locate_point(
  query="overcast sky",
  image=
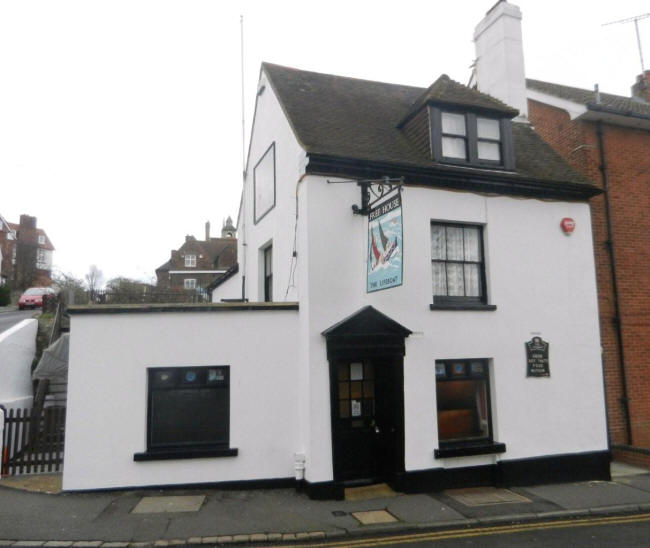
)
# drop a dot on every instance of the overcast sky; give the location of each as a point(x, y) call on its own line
point(120, 120)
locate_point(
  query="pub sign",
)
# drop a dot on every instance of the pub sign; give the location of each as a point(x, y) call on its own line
point(537, 358)
point(385, 244)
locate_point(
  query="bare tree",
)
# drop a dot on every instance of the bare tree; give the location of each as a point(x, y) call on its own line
point(94, 278)
point(71, 288)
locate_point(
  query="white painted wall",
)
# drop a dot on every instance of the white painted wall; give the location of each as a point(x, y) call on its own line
point(230, 289)
point(107, 394)
point(279, 225)
point(541, 281)
point(17, 350)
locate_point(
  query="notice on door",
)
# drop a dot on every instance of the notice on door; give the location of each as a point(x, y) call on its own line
point(356, 408)
point(537, 363)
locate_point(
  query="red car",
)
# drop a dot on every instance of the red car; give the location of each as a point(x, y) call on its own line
point(33, 297)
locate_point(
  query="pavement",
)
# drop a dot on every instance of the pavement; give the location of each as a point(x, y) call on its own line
point(34, 513)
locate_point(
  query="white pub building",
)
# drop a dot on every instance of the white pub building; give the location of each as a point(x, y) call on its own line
point(415, 303)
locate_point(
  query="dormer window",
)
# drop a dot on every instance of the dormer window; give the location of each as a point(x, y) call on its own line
point(488, 139)
point(468, 138)
point(454, 136)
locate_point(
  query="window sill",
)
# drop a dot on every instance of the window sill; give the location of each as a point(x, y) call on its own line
point(185, 453)
point(463, 306)
point(467, 449)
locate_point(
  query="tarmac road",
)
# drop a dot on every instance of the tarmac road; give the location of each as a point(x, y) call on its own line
point(12, 317)
point(601, 532)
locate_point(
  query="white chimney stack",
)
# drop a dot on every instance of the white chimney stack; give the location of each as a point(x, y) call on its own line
point(500, 56)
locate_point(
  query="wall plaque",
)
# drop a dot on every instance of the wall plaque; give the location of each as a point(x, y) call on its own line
point(537, 358)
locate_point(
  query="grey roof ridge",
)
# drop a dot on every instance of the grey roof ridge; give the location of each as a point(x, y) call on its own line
point(415, 88)
point(591, 105)
point(574, 88)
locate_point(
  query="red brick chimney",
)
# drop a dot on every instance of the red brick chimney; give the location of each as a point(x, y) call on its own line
point(641, 88)
point(27, 221)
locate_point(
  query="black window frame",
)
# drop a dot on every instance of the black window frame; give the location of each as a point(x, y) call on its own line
point(468, 446)
point(457, 300)
point(188, 378)
point(267, 273)
point(471, 138)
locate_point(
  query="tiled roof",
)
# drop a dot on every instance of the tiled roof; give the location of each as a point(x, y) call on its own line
point(219, 253)
point(30, 236)
point(164, 267)
point(358, 119)
point(617, 103)
point(445, 91)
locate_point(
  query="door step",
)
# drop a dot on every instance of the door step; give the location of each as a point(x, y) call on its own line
point(368, 492)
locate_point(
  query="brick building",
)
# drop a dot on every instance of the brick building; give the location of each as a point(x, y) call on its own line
point(607, 139)
point(7, 235)
point(26, 254)
point(197, 263)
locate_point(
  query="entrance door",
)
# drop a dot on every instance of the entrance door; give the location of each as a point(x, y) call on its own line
point(367, 419)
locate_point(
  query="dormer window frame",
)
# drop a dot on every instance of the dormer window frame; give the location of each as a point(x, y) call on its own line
point(471, 138)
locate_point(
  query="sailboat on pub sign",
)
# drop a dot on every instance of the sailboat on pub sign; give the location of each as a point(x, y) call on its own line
point(385, 245)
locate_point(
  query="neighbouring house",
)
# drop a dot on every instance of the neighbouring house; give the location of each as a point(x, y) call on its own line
point(7, 237)
point(27, 253)
point(415, 302)
point(606, 138)
point(197, 263)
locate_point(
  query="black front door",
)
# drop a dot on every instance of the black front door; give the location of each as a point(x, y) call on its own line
point(367, 418)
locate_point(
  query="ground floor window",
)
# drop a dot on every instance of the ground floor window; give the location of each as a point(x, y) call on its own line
point(189, 407)
point(189, 283)
point(463, 400)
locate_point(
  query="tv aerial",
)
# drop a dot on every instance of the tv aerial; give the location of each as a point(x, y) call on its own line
point(636, 20)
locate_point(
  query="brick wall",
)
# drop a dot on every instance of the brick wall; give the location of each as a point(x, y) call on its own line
point(627, 160)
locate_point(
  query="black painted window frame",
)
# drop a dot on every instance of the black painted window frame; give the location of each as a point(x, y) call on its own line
point(188, 449)
point(459, 447)
point(471, 138)
point(267, 272)
point(481, 299)
point(464, 136)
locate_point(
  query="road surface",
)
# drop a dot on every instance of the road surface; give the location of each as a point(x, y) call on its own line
point(9, 319)
point(589, 532)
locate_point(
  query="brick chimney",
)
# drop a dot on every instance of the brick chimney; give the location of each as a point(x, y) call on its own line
point(27, 221)
point(500, 56)
point(641, 88)
point(207, 231)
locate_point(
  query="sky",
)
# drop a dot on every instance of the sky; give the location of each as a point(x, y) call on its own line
point(121, 120)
